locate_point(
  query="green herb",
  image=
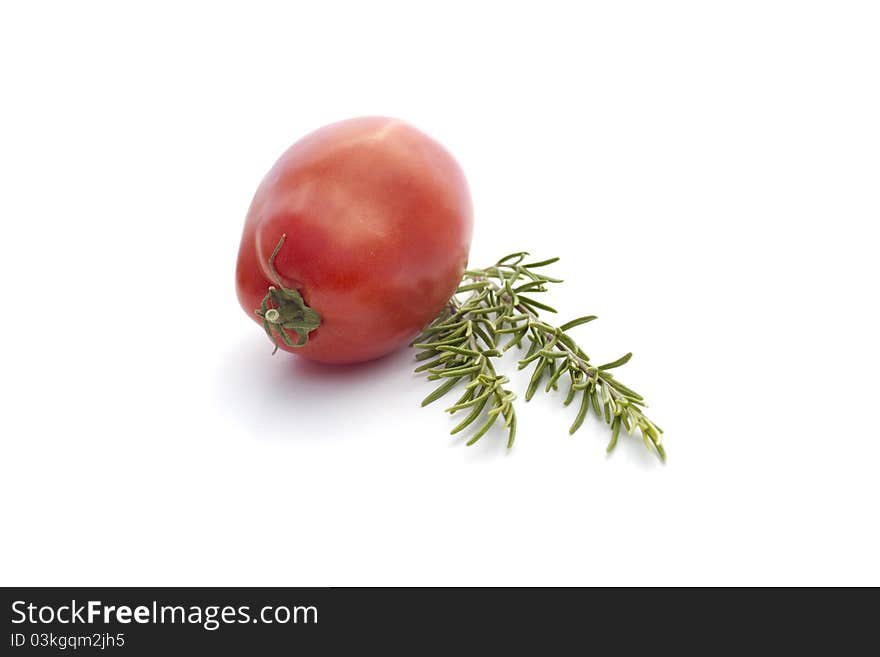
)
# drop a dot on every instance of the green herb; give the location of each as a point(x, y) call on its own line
point(495, 305)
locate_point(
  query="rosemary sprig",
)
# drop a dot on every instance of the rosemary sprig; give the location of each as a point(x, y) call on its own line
point(499, 304)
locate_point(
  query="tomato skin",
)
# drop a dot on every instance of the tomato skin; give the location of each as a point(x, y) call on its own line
point(378, 219)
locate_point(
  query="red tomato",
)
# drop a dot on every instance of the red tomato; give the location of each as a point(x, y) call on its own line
point(372, 223)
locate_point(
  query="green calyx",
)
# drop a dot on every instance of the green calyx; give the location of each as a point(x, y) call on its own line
point(283, 309)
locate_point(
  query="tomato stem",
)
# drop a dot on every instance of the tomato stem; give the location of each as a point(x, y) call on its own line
point(283, 309)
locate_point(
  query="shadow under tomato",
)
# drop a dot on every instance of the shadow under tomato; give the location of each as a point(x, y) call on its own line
point(284, 396)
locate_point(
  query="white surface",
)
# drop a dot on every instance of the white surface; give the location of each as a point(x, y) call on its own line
point(708, 172)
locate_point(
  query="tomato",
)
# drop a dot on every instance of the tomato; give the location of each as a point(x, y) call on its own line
point(370, 221)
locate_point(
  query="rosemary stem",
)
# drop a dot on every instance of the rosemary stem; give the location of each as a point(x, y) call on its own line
point(465, 336)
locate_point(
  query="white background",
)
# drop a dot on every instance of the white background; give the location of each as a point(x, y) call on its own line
point(708, 172)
